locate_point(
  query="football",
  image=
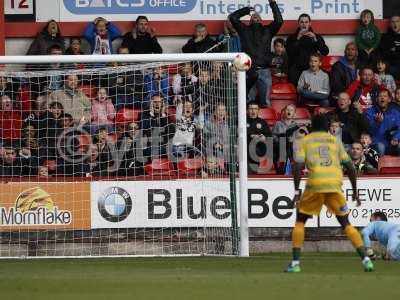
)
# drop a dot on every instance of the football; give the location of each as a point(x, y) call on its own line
point(242, 62)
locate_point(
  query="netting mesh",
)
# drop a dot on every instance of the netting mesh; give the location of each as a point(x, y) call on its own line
point(118, 159)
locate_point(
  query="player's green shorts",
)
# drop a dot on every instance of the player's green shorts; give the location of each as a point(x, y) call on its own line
point(311, 203)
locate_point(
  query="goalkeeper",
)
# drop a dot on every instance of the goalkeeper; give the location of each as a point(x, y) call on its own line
point(387, 234)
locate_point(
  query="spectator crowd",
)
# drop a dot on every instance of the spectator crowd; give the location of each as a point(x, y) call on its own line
point(77, 120)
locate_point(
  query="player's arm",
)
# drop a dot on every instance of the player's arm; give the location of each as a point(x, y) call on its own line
point(299, 155)
point(366, 233)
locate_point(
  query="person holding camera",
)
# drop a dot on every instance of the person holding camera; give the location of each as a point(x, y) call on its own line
point(301, 45)
point(256, 40)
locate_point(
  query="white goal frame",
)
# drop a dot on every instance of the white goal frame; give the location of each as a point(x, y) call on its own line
point(174, 58)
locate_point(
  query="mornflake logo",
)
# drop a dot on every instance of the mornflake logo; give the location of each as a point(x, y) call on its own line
point(97, 7)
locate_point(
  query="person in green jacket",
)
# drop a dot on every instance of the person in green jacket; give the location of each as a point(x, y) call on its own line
point(368, 37)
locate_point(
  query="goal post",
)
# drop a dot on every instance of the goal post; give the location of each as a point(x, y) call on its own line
point(103, 213)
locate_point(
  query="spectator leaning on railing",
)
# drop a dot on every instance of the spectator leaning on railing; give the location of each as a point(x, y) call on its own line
point(256, 41)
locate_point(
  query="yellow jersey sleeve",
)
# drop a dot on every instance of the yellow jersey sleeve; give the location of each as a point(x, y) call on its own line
point(343, 156)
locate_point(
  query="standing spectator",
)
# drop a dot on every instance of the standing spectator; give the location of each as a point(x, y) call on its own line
point(104, 159)
point(361, 164)
point(257, 133)
point(216, 133)
point(371, 155)
point(382, 77)
point(100, 34)
point(10, 120)
point(10, 162)
point(200, 42)
point(103, 112)
point(364, 91)
point(73, 100)
point(156, 127)
point(368, 37)
point(187, 130)
point(396, 99)
point(230, 37)
point(49, 37)
point(301, 45)
point(256, 42)
point(383, 120)
point(157, 82)
point(344, 71)
point(130, 147)
point(142, 39)
point(352, 122)
point(313, 84)
point(279, 64)
point(390, 46)
point(8, 87)
point(183, 83)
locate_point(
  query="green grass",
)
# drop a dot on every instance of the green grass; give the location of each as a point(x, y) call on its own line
point(324, 276)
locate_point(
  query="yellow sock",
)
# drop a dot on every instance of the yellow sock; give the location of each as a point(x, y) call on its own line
point(354, 236)
point(298, 235)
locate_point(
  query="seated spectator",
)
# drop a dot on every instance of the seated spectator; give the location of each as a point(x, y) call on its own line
point(156, 127)
point(100, 34)
point(257, 133)
point(130, 145)
point(344, 71)
point(10, 120)
point(284, 130)
point(48, 37)
point(368, 37)
point(73, 100)
point(156, 83)
point(9, 87)
point(142, 39)
point(352, 122)
point(279, 64)
point(230, 37)
point(383, 120)
point(313, 84)
point(256, 41)
point(30, 147)
point(184, 82)
point(301, 45)
point(75, 44)
point(187, 131)
point(211, 168)
point(67, 121)
point(371, 155)
point(10, 163)
point(361, 165)
point(103, 112)
point(364, 92)
point(200, 42)
point(396, 99)
point(383, 78)
point(335, 128)
point(43, 171)
point(390, 46)
point(216, 133)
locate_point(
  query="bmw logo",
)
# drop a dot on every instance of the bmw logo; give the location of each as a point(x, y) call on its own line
point(115, 204)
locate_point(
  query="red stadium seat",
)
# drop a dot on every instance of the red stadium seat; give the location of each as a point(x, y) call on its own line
point(84, 142)
point(161, 166)
point(283, 91)
point(278, 105)
point(51, 165)
point(328, 61)
point(190, 166)
point(127, 115)
point(302, 114)
point(323, 110)
point(389, 165)
point(266, 166)
point(276, 79)
point(269, 115)
point(89, 91)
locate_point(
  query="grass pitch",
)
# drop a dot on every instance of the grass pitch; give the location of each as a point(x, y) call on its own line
point(324, 276)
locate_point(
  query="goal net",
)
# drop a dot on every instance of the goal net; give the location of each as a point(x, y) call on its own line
point(122, 156)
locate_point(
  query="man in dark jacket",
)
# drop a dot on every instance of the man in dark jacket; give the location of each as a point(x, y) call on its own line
point(256, 42)
point(344, 71)
point(390, 46)
point(353, 123)
point(257, 133)
point(301, 45)
point(200, 42)
point(142, 39)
